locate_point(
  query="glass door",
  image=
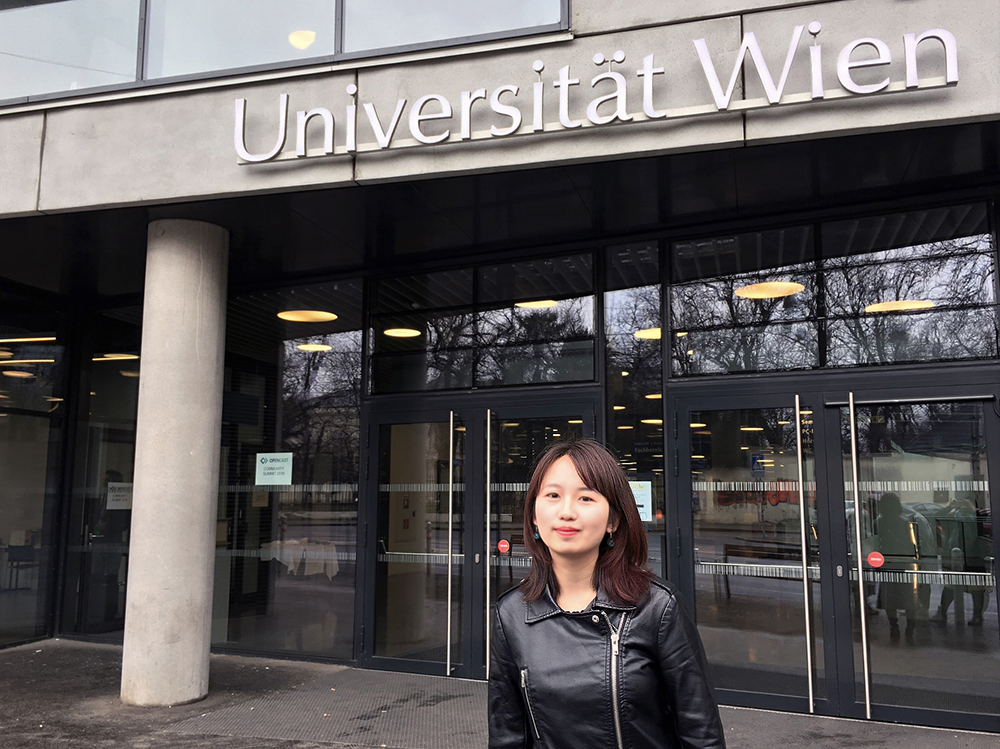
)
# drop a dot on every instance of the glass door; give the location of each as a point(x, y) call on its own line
point(445, 533)
point(747, 471)
point(918, 508)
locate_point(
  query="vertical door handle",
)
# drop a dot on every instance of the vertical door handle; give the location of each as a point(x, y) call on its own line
point(451, 521)
point(862, 606)
point(489, 499)
point(804, 543)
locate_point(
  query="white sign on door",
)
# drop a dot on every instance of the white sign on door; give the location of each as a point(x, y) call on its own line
point(274, 469)
point(643, 493)
point(119, 495)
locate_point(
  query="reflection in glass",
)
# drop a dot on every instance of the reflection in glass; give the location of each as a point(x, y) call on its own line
point(931, 604)
point(516, 443)
point(286, 552)
point(411, 572)
point(63, 46)
point(191, 36)
point(748, 549)
point(633, 371)
point(375, 24)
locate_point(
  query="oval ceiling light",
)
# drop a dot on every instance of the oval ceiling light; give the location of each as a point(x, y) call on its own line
point(314, 347)
point(36, 339)
point(624, 373)
point(302, 39)
point(626, 426)
point(784, 423)
point(54, 400)
point(116, 357)
point(769, 290)
point(648, 334)
point(17, 373)
point(307, 315)
point(698, 425)
point(618, 408)
point(751, 429)
point(654, 396)
point(697, 457)
point(575, 421)
point(540, 304)
point(681, 333)
point(129, 372)
point(401, 332)
point(901, 305)
point(651, 421)
point(25, 362)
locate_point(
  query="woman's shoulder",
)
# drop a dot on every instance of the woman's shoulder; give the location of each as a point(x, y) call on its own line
point(661, 595)
point(511, 603)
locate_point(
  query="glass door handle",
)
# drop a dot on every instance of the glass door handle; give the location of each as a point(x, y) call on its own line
point(451, 528)
point(862, 600)
point(489, 497)
point(804, 543)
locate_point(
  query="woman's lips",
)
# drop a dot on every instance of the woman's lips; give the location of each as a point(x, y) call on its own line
point(567, 532)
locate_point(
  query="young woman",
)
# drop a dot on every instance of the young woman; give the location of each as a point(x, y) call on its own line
point(592, 651)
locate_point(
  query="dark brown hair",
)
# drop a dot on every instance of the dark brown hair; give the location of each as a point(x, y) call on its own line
point(620, 572)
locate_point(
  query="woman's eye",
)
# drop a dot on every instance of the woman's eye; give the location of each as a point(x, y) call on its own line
point(586, 499)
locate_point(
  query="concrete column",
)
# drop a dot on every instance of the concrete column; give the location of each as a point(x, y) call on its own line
point(168, 614)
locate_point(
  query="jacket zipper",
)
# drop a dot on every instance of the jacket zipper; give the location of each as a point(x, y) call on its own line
point(615, 635)
point(527, 702)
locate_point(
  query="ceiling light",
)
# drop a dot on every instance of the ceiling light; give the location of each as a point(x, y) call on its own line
point(539, 304)
point(648, 334)
point(301, 39)
point(769, 290)
point(657, 456)
point(690, 352)
point(514, 424)
point(784, 423)
point(626, 426)
point(618, 408)
point(901, 305)
point(129, 372)
point(652, 421)
point(41, 339)
point(4, 397)
point(5, 354)
point(24, 362)
point(307, 315)
point(17, 373)
point(313, 347)
point(116, 357)
point(575, 421)
point(697, 457)
point(401, 332)
point(681, 333)
point(459, 429)
point(805, 412)
point(697, 425)
point(624, 373)
point(702, 431)
point(54, 400)
point(751, 429)
point(744, 448)
point(654, 396)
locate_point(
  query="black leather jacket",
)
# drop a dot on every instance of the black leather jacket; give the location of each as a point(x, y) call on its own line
point(611, 676)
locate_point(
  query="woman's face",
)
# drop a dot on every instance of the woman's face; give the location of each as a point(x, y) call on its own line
point(571, 518)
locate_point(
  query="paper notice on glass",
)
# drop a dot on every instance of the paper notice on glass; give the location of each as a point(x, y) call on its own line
point(643, 493)
point(119, 495)
point(274, 469)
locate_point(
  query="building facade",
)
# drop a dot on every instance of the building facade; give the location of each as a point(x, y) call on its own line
point(293, 294)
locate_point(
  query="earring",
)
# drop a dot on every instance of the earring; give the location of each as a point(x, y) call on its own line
point(536, 533)
point(611, 538)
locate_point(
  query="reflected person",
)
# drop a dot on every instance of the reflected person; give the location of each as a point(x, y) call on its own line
point(897, 546)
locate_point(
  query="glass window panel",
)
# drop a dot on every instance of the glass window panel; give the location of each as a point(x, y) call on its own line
point(192, 36)
point(451, 288)
point(537, 280)
point(556, 361)
point(375, 24)
point(757, 349)
point(427, 351)
point(285, 555)
point(718, 302)
point(63, 46)
point(741, 253)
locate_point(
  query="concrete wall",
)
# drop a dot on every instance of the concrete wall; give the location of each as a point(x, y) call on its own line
point(175, 146)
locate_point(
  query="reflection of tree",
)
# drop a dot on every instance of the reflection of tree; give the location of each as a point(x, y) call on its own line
point(321, 409)
point(727, 333)
point(957, 275)
point(537, 345)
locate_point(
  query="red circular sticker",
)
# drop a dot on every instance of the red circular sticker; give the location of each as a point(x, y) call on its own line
point(503, 546)
point(875, 559)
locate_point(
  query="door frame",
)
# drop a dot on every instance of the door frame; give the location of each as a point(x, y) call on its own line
point(471, 409)
point(904, 384)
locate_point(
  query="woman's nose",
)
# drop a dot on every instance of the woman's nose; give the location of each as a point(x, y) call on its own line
point(567, 509)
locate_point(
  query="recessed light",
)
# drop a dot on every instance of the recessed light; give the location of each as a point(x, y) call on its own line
point(697, 425)
point(401, 332)
point(116, 357)
point(129, 372)
point(681, 333)
point(744, 448)
point(575, 421)
point(301, 39)
point(618, 408)
point(654, 396)
point(626, 426)
point(313, 347)
point(52, 400)
point(511, 424)
point(784, 423)
point(652, 421)
point(805, 412)
point(18, 373)
point(539, 304)
point(24, 362)
point(648, 334)
point(769, 290)
point(901, 305)
point(39, 339)
point(307, 315)
point(459, 429)
point(690, 352)
point(624, 373)
point(697, 457)
point(751, 429)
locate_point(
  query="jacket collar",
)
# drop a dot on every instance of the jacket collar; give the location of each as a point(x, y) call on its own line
point(546, 606)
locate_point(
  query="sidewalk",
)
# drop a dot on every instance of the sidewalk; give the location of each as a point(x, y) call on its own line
point(59, 694)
